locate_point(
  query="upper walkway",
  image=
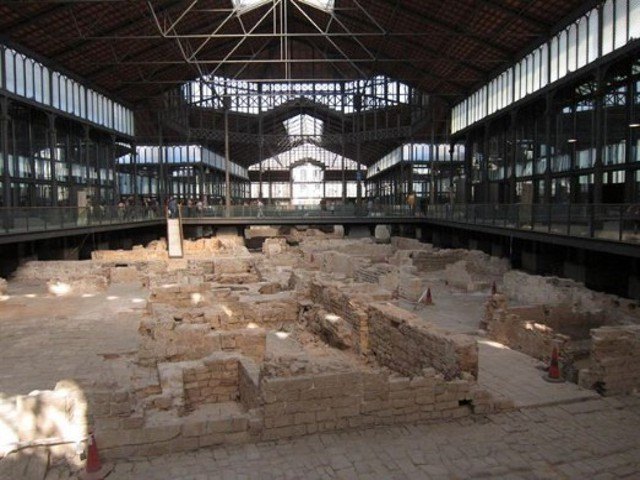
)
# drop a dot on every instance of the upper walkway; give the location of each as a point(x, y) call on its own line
point(613, 228)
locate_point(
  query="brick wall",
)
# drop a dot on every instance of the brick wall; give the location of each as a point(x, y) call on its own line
point(309, 404)
point(399, 339)
point(615, 360)
point(214, 381)
point(402, 342)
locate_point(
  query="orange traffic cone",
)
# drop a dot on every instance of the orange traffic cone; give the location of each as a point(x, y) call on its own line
point(553, 372)
point(494, 289)
point(94, 468)
point(428, 300)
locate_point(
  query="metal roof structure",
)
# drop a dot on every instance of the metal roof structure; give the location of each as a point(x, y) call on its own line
point(136, 50)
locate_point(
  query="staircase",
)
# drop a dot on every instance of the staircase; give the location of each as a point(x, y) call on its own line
point(174, 237)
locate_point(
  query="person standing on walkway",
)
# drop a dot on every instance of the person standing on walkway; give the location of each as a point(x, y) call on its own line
point(260, 208)
point(173, 208)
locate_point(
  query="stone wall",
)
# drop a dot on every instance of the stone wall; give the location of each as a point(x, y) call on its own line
point(534, 289)
point(249, 384)
point(65, 276)
point(181, 296)
point(402, 342)
point(303, 405)
point(398, 339)
point(165, 340)
point(214, 381)
point(535, 330)
point(435, 260)
point(155, 251)
point(615, 360)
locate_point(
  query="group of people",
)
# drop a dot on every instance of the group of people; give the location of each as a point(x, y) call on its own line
point(190, 208)
point(127, 207)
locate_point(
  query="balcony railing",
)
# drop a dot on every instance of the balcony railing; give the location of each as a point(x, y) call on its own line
point(18, 220)
point(612, 222)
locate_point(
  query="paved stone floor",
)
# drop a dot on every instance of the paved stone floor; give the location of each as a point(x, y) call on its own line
point(45, 339)
point(597, 439)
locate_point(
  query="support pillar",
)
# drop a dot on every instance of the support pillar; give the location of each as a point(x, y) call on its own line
point(599, 114)
point(134, 161)
point(4, 132)
point(227, 161)
point(549, 115)
point(52, 158)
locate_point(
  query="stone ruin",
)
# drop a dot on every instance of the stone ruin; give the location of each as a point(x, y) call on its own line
point(597, 335)
point(313, 335)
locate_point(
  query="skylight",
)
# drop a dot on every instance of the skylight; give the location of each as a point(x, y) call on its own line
point(304, 126)
point(326, 5)
point(246, 5)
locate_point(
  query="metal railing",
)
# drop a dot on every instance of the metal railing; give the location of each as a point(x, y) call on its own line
point(613, 222)
point(295, 211)
point(18, 220)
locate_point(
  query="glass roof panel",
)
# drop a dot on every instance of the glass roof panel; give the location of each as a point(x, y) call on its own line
point(326, 5)
point(304, 126)
point(246, 5)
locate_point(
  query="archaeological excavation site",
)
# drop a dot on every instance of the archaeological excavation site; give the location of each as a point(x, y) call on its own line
point(309, 332)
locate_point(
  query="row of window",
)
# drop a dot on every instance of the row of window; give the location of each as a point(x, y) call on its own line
point(574, 47)
point(250, 97)
point(304, 190)
point(417, 152)
point(27, 78)
point(183, 188)
point(306, 151)
point(183, 154)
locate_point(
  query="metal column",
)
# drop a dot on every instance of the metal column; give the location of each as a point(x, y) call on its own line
point(4, 131)
point(227, 160)
point(52, 159)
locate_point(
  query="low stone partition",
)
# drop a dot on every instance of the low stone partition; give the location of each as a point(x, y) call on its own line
point(615, 360)
point(404, 243)
point(155, 251)
point(292, 406)
point(435, 260)
point(182, 295)
point(215, 380)
point(398, 339)
point(404, 343)
point(167, 340)
point(295, 406)
point(65, 277)
point(535, 289)
point(249, 384)
point(535, 330)
point(235, 270)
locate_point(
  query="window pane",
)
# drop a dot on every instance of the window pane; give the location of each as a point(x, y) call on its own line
point(634, 19)
point(562, 55)
point(607, 27)
point(583, 41)
point(572, 49)
point(9, 60)
point(28, 77)
point(593, 35)
point(20, 75)
point(621, 23)
point(554, 59)
point(46, 94)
